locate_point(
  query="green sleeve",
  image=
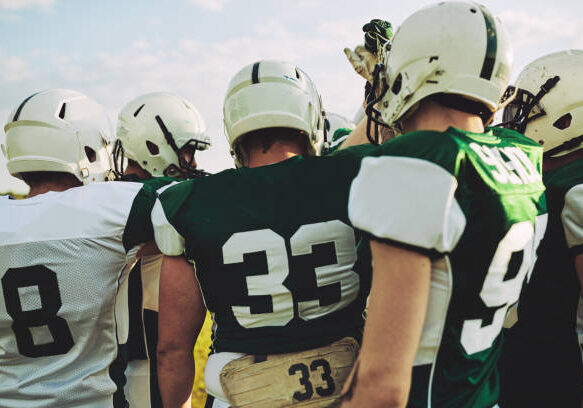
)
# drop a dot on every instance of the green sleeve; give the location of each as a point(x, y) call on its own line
point(139, 226)
point(165, 217)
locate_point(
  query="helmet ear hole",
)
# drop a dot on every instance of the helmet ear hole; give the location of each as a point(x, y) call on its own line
point(91, 154)
point(152, 148)
point(563, 122)
point(396, 88)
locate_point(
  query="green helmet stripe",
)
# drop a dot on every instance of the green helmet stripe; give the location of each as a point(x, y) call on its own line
point(17, 114)
point(491, 45)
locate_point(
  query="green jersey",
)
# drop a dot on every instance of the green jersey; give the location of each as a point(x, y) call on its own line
point(274, 251)
point(541, 364)
point(475, 204)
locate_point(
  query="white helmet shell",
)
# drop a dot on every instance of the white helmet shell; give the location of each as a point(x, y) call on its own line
point(59, 130)
point(149, 125)
point(452, 48)
point(558, 118)
point(270, 94)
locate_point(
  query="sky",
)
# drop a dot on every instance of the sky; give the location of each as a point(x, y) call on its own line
point(117, 50)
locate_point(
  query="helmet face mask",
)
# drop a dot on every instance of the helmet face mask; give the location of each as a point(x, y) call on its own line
point(156, 130)
point(525, 106)
point(59, 130)
point(548, 107)
point(272, 94)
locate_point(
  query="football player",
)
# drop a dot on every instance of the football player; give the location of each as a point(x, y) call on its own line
point(454, 213)
point(62, 254)
point(159, 134)
point(541, 363)
point(275, 255)
point(337, 128)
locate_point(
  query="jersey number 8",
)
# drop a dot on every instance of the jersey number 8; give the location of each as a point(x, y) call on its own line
point(25, 321)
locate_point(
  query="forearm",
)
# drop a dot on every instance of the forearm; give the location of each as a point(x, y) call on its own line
point(180, 318)
point(175, 377)
point(357, 136)
point(397, 307)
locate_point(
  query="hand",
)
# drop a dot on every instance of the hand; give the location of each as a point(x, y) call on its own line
point(377, 33)
point(362, 60)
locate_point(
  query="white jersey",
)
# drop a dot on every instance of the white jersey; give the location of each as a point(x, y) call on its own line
point(62, 258)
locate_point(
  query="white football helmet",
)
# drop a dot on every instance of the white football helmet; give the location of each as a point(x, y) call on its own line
point(332, 123)
point(450, 48)
point(270, 94)
point(152, 130)
point(59, 130)
point(548, 106)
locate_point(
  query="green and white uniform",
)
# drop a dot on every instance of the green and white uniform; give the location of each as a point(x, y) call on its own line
point(139, 301)
point(63, 256)
point(274, 252)
point(541, 363)
point(339, 136)
point(475, 204)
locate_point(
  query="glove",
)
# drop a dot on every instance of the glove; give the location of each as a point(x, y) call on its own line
point(362, 60)
point(377, 32)
point(364, 57)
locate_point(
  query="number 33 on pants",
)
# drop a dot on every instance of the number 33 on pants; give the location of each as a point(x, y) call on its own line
point(312, 378)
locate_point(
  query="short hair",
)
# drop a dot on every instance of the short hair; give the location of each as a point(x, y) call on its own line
point(267, 137)
point(34, 178)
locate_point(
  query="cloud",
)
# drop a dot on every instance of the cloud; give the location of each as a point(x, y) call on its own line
point(211, 5)
point(20, 4)
point(141, 45)
point(200, 71)
point(542, 33)
point(14, 69)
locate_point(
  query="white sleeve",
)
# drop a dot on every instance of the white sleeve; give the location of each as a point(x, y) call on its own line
point(169, 241)
point(407, 200)
point(572, 216)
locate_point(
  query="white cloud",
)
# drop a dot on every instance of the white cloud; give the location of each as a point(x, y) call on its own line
point(20, 4)
point(200, 71)
point(536, 34)
point(14, 69)
point(211, 5)
point(141, 45)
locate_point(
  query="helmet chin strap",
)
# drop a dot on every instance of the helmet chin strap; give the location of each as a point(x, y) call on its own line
point(118, 159)
point(185, 169)
point(373, 114)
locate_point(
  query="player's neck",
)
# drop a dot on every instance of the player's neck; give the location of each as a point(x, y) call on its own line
point(278, 152)
point(551, 163)
point(43, 188)
point(432, 116)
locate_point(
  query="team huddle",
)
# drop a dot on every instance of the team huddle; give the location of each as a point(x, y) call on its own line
point(425, 257)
